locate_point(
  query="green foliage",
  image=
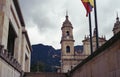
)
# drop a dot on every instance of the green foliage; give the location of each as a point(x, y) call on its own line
point(38, 67)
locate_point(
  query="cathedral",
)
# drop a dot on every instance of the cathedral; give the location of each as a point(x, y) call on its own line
point(15, 49)
point(116, 27)
point(69, 57)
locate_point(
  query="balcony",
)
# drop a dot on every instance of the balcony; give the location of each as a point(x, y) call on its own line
point(9, 59)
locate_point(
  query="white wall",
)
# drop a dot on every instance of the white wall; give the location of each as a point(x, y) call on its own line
point(7, 71)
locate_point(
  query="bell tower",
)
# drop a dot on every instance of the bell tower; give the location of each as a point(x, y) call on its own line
point(116, 27)
point(67, 45)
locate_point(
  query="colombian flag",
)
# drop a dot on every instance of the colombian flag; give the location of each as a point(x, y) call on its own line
point(88, 4)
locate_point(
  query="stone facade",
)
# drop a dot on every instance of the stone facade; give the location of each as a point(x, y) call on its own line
point(86, 43)
point(104, 62)
point(72, 58)
point(67, 46)
point(44, 74)
point(14, 38)
point(6, 70)
point(69, 58)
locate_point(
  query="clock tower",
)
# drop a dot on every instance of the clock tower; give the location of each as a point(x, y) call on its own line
point(67, 46)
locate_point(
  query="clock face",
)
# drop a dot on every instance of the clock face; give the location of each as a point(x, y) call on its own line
point(67, 37)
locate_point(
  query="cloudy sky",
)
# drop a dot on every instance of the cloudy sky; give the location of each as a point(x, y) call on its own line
point(44, 18)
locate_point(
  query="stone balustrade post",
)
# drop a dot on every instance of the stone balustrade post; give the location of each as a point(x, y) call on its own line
point(1, 48)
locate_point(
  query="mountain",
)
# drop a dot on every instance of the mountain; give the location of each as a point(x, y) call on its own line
point(78, 48)
point(45, 58)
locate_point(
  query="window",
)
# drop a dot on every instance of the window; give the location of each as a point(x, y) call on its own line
point(26, 63)
point(67, 33)
point(11, 40)
point(68, 49)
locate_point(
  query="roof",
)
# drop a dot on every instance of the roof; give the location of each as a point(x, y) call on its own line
point(117, 23)
point(67, 23)
point(99, 38)
point(17, 7)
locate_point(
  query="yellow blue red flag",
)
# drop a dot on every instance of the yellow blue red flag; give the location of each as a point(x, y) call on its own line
point(88, 4)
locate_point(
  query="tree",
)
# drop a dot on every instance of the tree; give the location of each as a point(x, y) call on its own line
point(38, 67)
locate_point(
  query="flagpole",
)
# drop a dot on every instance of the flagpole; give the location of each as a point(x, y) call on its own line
point(96, 24)
point(90, 29)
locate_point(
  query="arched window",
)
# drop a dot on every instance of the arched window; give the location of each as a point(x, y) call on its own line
point(68, 49)
point(67, 33)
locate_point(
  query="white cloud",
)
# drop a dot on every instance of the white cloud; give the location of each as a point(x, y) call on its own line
point(44, 19)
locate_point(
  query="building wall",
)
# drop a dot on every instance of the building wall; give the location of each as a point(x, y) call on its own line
point(10, 16)
point(63, 48)
point(67, 46)
point(86, 48)
point(105, 64)
point(86, 44)
point(26, 51)
point(7, 71)
point(42, 74)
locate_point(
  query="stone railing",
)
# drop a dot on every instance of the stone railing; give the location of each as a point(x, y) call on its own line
point(9, 59)
point(64, 37)
point(75, 56)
